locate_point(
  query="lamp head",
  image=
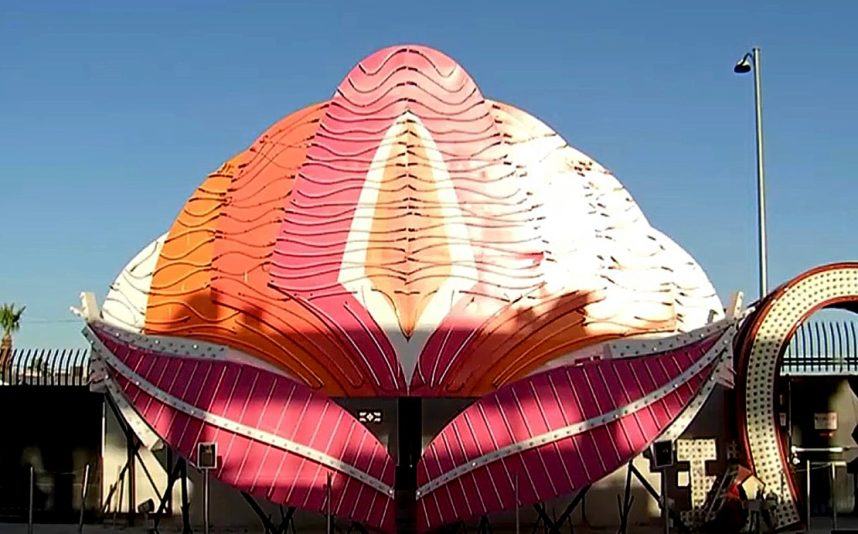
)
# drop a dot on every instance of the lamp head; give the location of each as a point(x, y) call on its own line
point(743, 66)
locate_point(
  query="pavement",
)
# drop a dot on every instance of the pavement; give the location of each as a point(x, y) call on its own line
point(848, 524)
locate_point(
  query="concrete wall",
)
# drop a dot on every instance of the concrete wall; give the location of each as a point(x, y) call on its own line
point(115, 456)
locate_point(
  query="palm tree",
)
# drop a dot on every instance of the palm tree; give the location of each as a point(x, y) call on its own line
point(10, 321)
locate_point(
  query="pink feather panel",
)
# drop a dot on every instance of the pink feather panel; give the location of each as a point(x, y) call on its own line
point(557, 431)
point(276, 438)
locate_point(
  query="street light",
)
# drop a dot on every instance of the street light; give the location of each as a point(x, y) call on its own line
point(743, 66)
point(749, 62)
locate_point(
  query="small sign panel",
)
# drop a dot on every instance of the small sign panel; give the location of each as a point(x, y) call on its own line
point(207, 455)
point(825, 421)
point(662, 454)
point(370, 416)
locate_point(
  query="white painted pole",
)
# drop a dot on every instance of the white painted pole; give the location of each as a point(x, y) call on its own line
point(742, 67)
point(83, 492)
point(834, 494)
point(761, 177)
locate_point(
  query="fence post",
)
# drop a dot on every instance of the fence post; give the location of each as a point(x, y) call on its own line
point(32, 489)
point(83, 491)
point(807, 491)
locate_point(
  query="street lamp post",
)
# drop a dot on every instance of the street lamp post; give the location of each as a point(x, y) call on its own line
point(751, 61)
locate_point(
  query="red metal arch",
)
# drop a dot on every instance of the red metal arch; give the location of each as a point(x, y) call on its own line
point(762, 342)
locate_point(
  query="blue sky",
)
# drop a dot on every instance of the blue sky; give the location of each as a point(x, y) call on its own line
point(113, 112)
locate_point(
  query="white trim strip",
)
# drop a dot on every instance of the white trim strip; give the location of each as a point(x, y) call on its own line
point(637, 346)
point(179, 347)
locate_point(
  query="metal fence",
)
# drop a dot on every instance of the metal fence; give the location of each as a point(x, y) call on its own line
point(45, 367)
point(823, 348)
point(816, 348)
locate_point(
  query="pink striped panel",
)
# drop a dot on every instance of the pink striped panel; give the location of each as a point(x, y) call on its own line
point(545, 403)
point(264, 401)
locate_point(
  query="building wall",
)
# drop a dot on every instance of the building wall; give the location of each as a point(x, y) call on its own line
point(57, 431)
point(811, 395)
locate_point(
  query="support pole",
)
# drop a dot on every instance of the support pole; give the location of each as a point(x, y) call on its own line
point(206, 501)
point(543, 517)
point(645, 483)
point(118, 485)
point(83, 492)
point(627, 501)
point(267, 524)
point(655, 495)
point(665, 514)
point(517, 508)
point(172, 475)
point(409, 430)
point(168, 496)
point(131, 454)
point(118, 507)
point(132, 478)
point(578, 499)
point(186, 507)
point(552, 525)
point(833, 495)
point(148, 474)
point(329, 520)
